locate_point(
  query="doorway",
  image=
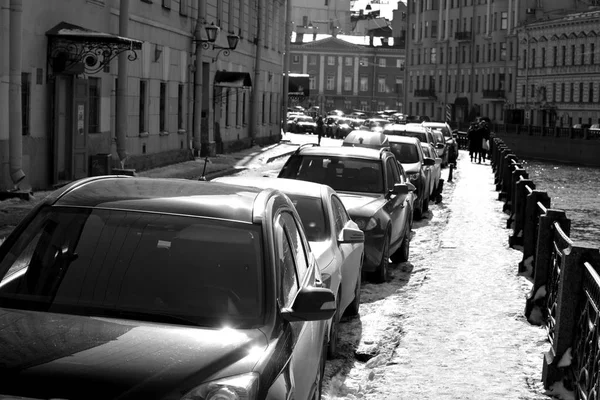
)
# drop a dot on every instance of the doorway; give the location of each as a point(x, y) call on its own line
point(70, 160)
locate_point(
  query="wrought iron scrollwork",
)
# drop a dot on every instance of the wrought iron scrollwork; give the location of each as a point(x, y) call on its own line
point(94, 55)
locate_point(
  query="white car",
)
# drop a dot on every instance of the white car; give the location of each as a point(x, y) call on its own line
point(435, 174)
point(335, 240)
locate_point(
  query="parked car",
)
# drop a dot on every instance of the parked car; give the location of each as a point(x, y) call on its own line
point(374, 124)
point(130, 288)
point(303, 124)
point(416, 119)
point(422, 133)
point(594, 130)
point(451, 143)
point(362, 138)
point(335, 240)
point(345, 126)
point(409, 153)
point(440, 146)
point(373, 190)
point(331, 125)
point(435, 172)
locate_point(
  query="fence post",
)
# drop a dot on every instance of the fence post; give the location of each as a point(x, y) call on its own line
point(568, 294)
point(518, 210)
point(510, 162)
point(501, 165)
point(543, 262)
point(509, 205)
point(530, 229)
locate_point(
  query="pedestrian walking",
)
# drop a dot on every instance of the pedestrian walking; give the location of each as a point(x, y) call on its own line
point(474, 136)
point(320, 128)
point(485, 139)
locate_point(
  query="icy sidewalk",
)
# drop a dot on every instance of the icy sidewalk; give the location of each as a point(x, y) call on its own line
point(465, 334)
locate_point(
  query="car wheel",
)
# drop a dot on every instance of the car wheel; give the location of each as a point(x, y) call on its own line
point(380, 274)
point(425, 205)
point(401, 255)
point(333, 331)
point(353, 308)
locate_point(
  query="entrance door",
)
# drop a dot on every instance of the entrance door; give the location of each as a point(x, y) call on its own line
point(70, 129)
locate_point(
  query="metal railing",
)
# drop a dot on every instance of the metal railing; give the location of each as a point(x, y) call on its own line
point(565, 295)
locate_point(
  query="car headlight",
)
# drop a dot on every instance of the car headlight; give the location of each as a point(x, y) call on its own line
point(365, 224)
point(240, 387)
point(413, 177)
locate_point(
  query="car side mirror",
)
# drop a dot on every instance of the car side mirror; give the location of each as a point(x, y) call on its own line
point(411, 187)
point(428, 161)
point(311, 304)
point(438, 160)
point(351, 235)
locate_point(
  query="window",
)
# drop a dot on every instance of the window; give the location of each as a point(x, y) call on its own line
point(180, 102)
point(312, 83)
point(582, 55)
point(237, 108)
point(543, 57)
point(590, 92)
point(25, 103)
point(381, 86)
point(166, 4)
point(399, 64)
point(94, 105)
point(532, 58)
point(564, 55)
point(364, 83)
point(348, 61)
point(501, 81)
point(330, 82)
point(162, 114)
point(572, 93)
point(297, 245)
point(524, 58)
point(264, 108)
point(581, 92)
point(476, 53)
point(433, 56)
point(573, 54)
point(244, 121)
point(183, 7)
point(142, 106)
point(364, 61)
point(289, 279)
point(330, 60)
point(295, 59)
point(312, 59)
point(434, 29)
point(592, 50)
point(340, 215)
point(503, 51)
point(347, 83)
point(562, 92)
point(504, 20)
point(554, 55)
point(382, 62)
point(227, 102)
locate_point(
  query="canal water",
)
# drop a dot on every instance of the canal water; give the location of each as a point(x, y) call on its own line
point(574, 189)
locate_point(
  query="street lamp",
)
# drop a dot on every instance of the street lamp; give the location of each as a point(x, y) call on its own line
point(212, 33)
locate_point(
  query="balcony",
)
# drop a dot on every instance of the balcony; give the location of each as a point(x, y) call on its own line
point(494, 94)
point(463, 36)
point(428, 93)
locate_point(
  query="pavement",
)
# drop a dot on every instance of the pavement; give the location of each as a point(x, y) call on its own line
point(13, 210)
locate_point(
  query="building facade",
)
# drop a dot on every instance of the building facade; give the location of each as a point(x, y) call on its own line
point(558, 79)
point(69, 94)
point(350, 72)
point(323, 16)
point(462, 55)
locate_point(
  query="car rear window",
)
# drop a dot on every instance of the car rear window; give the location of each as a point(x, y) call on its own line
point(114, 263)
point(340, 173)
point(422, 136)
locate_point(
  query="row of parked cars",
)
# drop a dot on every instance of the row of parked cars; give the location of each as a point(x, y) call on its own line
point(128, 287)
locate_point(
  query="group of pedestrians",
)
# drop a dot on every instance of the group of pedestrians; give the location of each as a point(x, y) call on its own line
point(479, 139)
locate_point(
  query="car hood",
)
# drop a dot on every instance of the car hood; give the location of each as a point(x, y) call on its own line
point(412, 168)
point(44, 354)
point(361, 205)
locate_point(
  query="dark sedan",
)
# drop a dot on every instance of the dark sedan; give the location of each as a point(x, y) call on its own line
point(135, 288)
point(373, 190)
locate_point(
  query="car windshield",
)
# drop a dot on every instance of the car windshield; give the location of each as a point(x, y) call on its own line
point(341, 173)
point(406, 153)
point(312, 215)
point(128, 264)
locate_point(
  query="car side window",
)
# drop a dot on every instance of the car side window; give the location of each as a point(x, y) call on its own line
point(401, 173)
point(340, 214)
point(297, 244)
point(391, 174)
point(287, 267)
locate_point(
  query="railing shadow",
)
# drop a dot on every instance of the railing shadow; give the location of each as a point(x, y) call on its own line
point(565, 293)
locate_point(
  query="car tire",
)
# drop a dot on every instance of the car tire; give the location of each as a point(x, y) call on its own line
point(425, 205)
point(401, 255)
point(380, 274)
point(354, 308)
point(332, 345)
point(320, 372)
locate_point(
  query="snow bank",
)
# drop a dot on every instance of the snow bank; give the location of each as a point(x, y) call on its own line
point(559, 390)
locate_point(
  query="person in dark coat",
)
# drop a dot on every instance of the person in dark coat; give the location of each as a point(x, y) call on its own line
point(485, 134)
point(320, 127)
point(474, 135)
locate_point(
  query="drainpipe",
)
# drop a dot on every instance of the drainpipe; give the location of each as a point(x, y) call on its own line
point(15, 138)
point(121, 108)
point(286, 62)
point(197, 135)
point(257, 64)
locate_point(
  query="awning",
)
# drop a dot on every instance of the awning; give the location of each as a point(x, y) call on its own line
point(461, 101)
point(233, 79)
point(74, 49)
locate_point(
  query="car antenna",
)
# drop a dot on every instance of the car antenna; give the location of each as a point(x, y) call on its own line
point(203, 177)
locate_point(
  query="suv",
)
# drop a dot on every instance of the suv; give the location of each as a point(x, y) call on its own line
point(374, 190)
point(414, 130)
point(191, 279)
point(451, 143)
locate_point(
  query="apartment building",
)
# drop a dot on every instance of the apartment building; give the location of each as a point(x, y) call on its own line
point(558, 79)
point(462, 55)
point(70, 95)
point(349, 72)
point(323, 16)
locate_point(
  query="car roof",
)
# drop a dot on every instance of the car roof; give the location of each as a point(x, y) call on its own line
point(435, 124)
point(366, 138)
point(406, 128)
point(173, 196)
point(285, 185)
point(404, 139)
point(341, 151)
